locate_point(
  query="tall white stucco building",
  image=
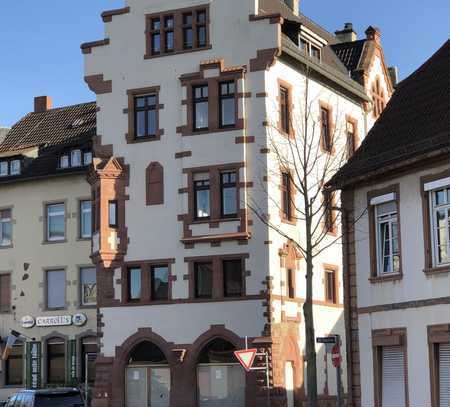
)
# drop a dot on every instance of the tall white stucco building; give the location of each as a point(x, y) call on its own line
point(191, 97)
point(395, 194)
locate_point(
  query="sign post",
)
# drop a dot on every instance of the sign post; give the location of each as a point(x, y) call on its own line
point(333, 346)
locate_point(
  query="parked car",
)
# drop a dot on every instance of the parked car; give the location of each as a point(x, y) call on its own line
point(63, 397)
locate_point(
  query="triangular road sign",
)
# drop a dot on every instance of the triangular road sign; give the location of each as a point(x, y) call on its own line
point(246, 357)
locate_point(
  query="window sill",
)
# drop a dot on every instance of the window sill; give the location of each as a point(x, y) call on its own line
point(386, 278)
point(436, 270)
point(209, 220)
point(145, 139)
point(183, 51)
point(54, 241)
point(6, 247)
point(186, 131)
point(84, 239)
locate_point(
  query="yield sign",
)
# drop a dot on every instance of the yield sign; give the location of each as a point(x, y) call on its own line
point(246, 357)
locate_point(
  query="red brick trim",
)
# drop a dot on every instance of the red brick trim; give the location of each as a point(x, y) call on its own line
point(108, 14)
point(265, 58)
point(183, 154)
point(98, 85)
point(274, 18)
point(86, 48)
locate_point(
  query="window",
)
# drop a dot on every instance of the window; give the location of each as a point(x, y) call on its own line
point(286, 196)
point(227, 101)
point(112, 214)
point(291, 283)
point(56, 289)
point(229, 193)
point(200, 96)
point(85, 219)
point(351, 138)
point(329, 212)
point(330, 286)
point(87, 158)
point(325, 130)
point(75, 158)
point(15, 167)
point(154, 184)
point(14, 366)
point(56, 361)
point(5, 293)
point(134, 284)
point(378, 98)
point(56, 222)
point(304, 45)
point(88, 285)
point(393, 386)
point(145, 116)
point(232, 278)
point(168, 33)
point(159, 276)
point(88, 356)
point(203, 280)
point(388, 252)
point(64, 161)
point(284, 110)
point(180, 31)
point(440, 209)
point(315, 52)
point(202, 196)
point(201, 29)
point(156, 36)
point(5, 228)
point(4, 168)
point(188, 34)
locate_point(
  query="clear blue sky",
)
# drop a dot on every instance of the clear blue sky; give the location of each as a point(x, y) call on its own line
point(40, 41)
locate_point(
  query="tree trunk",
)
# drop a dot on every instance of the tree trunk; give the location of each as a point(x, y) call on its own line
point(310, 337)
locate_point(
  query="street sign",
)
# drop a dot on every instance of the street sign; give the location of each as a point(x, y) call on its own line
point(336, 356)
point(246, 357)
point(327, 339)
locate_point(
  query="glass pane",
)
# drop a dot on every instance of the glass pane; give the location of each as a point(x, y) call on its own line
point(3, 168)
point(151, 123)
point(156, 43)
point(75, 157)
point(151, 100)
point(87, 158)
point(56, 363)
point(160, 387)
point(203, 209)
point(203, 280)
point(136, 387)
point(169, 40)
point(15, 167)
point(56, 289)
point(229, 203)
point(169, 22)
point(440, 197)
point(56, 227)
point(232, 270)
point(201, 115)
point(160, 283)
point(187, 19)
point(112, 213)
point(86, 219)
point(228, 112)
point(201, 32)
point(201, 17)
point(88, 286)
point(222, 386)
point(64, 161)
point(140, 102)
point(140, 124)
point(156, 24)
point(5, 233)
point(188, 38)
point(134, 283)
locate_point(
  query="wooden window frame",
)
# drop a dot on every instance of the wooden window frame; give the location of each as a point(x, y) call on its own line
point(232, 96)
point(146, 289)
point(224, 186)
point(242, 266)
point(287, 107)
point(388, 337)
point(46, 206)
point(218, 289)
point(437, 334)
point(7, 367)
point(80, 218)
point(378, 98)
point(132, 95)
point(329, 213)
point(326, 140)
point(290, 284)
point(178, 31)
point(287, 214)
point(195, 101)
point(46, 293)
point(354, 137)
point(47, 358)
point(11, 221)
point(374, 276)
point(7, 276)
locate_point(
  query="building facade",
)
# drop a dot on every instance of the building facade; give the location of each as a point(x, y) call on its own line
point(188, 117)
point(395, 196)
point(47, 279)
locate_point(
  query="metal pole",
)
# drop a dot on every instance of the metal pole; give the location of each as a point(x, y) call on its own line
point(338, 375)
point(86, 372)
point(268, 379)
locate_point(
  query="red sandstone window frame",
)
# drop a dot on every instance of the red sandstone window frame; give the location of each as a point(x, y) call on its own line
point(178, 31)
point(326, 128)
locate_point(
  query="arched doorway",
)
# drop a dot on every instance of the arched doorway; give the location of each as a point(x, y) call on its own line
point(147, 378)
point(220, 378)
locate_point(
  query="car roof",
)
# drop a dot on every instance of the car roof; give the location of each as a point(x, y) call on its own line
point(43, 392)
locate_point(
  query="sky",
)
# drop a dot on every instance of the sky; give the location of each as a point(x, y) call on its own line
point(40, 41)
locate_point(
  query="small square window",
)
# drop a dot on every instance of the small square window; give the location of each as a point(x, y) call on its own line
point(112, 214)
point(87, 158)
point(64, 161)
point(56, 222)
point(75, 158)
point(15, 167)
point(3, 168)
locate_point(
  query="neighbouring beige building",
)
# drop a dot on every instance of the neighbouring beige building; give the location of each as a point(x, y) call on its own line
point(47, 280)
point(191, 96)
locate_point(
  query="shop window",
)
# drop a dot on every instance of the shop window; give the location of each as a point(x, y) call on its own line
point(14, 367)
point(88, 357)
point(56, 361)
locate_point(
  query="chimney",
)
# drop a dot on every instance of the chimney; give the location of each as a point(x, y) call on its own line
point(347, 34)
point(294, 5)
point(42, 104)
point(393, 73)
point(373, 34)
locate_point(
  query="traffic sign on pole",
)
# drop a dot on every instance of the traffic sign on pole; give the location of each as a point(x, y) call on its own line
point(336, 356)
point(246, 357)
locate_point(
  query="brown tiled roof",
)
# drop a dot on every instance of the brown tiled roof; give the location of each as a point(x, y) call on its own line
point(415, 124)
point(52, 127)
point(350, 53)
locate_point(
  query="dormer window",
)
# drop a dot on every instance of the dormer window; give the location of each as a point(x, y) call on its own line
point(310, 49)
point(87, 158)
point(75, 158)
point(304, 46)
point(3, 168)
point(315, 52)
point(15, 167)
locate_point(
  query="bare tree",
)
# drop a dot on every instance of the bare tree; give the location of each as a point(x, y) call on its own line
point(314, 146)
